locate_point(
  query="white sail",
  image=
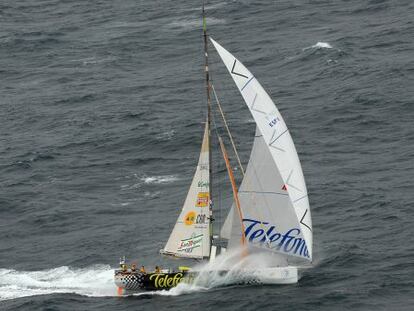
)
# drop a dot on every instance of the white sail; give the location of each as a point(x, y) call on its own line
point(262, 197)
point(191, 234)
point(280, 219)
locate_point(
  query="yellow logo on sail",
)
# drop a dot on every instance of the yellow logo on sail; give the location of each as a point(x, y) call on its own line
point(189, 218)
point(202, 199)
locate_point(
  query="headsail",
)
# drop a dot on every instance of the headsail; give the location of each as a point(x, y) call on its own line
point(280, 219)
point(191, 234)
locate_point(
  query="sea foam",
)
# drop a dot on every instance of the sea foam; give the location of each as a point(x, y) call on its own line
point(94, 281)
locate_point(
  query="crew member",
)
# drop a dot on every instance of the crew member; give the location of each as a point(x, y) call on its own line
point(142, 270)
point(157, 269)
point(124, 268)
point(133, 268)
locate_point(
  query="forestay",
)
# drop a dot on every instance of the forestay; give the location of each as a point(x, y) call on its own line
point(273, 193)
point(191, 234)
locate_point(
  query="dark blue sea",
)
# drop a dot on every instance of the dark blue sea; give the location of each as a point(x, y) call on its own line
point(102, 105)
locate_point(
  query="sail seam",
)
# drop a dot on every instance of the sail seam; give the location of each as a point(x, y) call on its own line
point(300, 198)
point(263, 192)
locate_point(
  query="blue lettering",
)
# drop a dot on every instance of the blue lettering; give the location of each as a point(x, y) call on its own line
point(266, 236)
point(301, 246)
point(289, 242)
point(249, 228)
point(274, 237)
point(257, 234)
point(274, 121)
point(287, 239)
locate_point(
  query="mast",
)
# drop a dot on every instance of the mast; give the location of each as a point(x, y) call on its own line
point(208, 122)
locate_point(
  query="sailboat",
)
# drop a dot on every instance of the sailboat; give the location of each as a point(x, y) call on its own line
point(270, 213)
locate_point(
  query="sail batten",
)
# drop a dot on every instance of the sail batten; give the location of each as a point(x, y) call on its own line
point(274, 167)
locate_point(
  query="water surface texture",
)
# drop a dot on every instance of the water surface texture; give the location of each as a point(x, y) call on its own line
point(102, 104)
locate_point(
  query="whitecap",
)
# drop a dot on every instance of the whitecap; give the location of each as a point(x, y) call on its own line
point(94, 281)
point(164, 179)
point(166, 135)
point(319, 45)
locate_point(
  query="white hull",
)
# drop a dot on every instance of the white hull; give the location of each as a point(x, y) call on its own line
point(276, 275)
point(262, 276)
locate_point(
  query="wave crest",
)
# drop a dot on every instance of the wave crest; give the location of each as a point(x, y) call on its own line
point(319, 45)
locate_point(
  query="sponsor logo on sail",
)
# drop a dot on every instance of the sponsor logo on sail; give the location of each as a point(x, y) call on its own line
point(189, 218)
point(203, 184)
point(273, 121)
point(204, 167)
point(272, 118)
point(162, 280)
point(201, 219)
point(202, 199)
point(258, 232)
point(188, 245)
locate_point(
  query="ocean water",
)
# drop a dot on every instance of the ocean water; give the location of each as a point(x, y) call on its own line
point(102, 104)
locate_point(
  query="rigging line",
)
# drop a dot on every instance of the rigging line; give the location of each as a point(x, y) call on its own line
point(235, 196)
point(227, 128)
point(216, 130)
point(245, 178)
point(263, 192)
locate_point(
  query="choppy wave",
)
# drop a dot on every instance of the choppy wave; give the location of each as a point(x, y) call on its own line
point(319, 45)
point(168, 135)
point(94, 281)
point(163, 179)
point(142, 180)
point(86, 90)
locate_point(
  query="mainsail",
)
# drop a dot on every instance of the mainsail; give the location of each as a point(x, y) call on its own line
point(273, 193)
point(191, 234)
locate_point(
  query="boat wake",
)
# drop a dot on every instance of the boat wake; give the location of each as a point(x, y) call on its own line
point(97, 280)
point(94, 281)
